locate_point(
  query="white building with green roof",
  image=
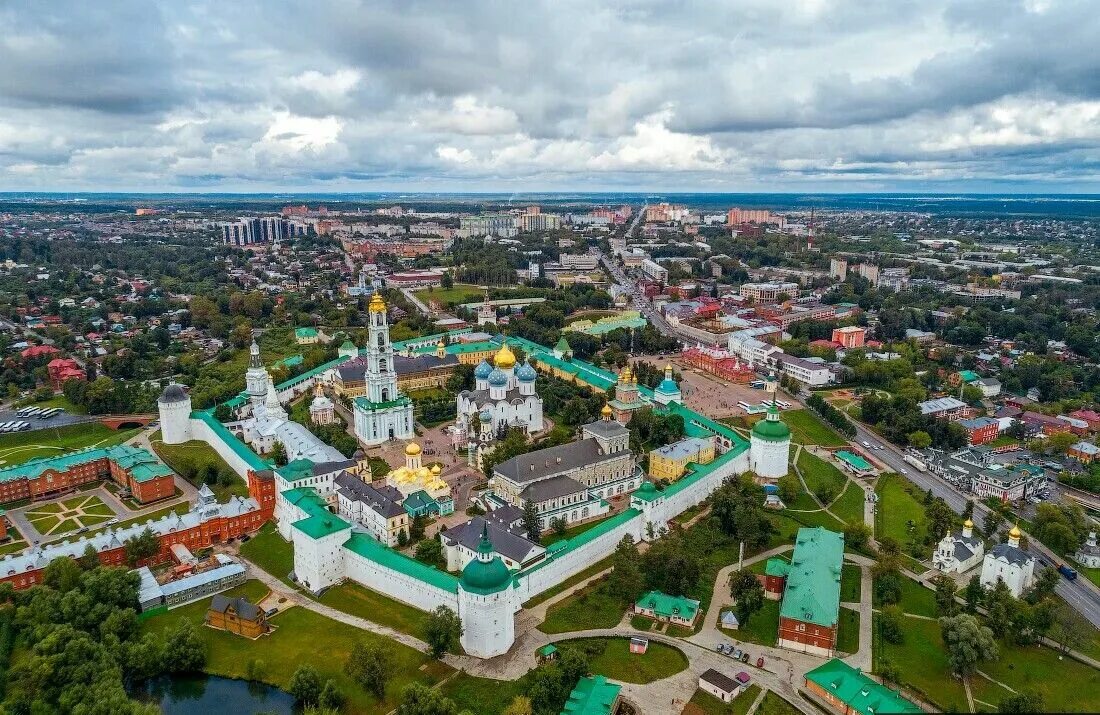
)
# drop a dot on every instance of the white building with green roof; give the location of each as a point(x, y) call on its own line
point(809, 614)
point(770, 442)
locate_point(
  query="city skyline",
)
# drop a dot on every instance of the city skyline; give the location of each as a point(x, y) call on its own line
point(938, 97)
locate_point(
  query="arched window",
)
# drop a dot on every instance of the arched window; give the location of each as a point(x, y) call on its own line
point(381, 340)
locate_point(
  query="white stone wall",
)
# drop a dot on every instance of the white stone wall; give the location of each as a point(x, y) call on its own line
point(489, 628)
point(769, 459)
point(696, 493)
point(397, 585)
point(319, 563)
point(202, 432)
point(175, 421)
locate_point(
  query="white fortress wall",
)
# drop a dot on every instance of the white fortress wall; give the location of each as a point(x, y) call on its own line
point(203, 432)
point(396, 585)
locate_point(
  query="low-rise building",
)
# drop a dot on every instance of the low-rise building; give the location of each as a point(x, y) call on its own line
point(980, 430)
point(593, 695)
point(720, 686)
point(810, 611)
point(945, 408)
point(132, 468)
point(1009, 563)
point(677, 610)
point(1084, 452)
point(959, 554)
point(848, 691)
point(1089, 553)
point(671, 461)
point(237, 615)
point(990, 386)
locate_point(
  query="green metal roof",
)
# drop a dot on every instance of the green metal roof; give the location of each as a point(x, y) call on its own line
point(666, 606)
point(419, 500)
point(969, 375)
point(365, 404)
point(594, 695)
point(365, 546)
point(857, 691)
point(812, 594)
point(777, 567)
point(239, 448)
point(305, 332)
point(463, 348)
point(547, 650)
point(320, 522)
point(485, 576)
point(298, 469)
point(142, 464)
point(853, 459)
point(771, 430)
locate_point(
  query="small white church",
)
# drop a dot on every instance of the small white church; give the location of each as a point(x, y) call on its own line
point(959, 554)
point(1009, 563)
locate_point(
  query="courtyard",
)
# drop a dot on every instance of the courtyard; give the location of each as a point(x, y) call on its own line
point(69, 514)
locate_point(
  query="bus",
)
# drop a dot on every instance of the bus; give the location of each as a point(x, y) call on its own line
point(783, 405)
point(744, 406)
point(48, 413)
point(6, 427)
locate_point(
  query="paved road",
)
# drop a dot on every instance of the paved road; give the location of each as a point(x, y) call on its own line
point(639, 301)
point(1081, 594)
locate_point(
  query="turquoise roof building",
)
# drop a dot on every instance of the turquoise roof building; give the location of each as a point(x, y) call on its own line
point(594, 695)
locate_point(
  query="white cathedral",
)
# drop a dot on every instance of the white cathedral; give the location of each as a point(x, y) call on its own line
point(503, 396)
point(382, 413)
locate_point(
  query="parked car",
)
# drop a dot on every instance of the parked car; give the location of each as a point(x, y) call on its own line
point(737, 653)
point(760, 662)
point(744, 657)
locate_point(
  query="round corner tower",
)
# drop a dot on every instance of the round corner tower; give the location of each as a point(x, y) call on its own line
point(174, 406)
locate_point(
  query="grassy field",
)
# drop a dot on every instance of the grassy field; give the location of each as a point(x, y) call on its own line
point(611, 657)
point(851, 577)
point(915, 599)
point(193, 461)
point(352, 598)
point(897, 507)
point(821, 476)
point(593, 607)
point(703, 703)
point(816, 518)
point(483, 695)
point(268, 551)
point(459, 293)
point(922, 661)
point(302, 636)
point(773, 704)
point(806, 428)
point(13, 547)
point(762, 626)
point(181, 508)
point(847, 635)
point(848, 507)
point(25, 446)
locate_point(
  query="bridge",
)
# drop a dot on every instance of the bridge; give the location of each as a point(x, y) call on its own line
point(1086, 499)
point(125, 421)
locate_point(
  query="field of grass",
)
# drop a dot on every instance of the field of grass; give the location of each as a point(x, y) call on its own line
point(25, 446)
point(847, 635)
point(483, 695)
point(703, 703)
point(459, 293)
point(302, 636)
point(806, 428)
point(593, 607)
point(13, 547)
point(352, 598)
point(922, 662)
point(762, 626)
point(181, 508)
point(194, 460)
point(820, 476)
point(61, 517)
point(268, 551)
point(897, 507)
point(851, 577)
point(804, 502)
point(848, 507)
point(773, 704)
point(611, 657)
point(915, 599)
point(816, 518)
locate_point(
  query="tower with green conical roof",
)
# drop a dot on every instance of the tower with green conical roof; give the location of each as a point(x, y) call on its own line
point(770, 441)
point(486, 602)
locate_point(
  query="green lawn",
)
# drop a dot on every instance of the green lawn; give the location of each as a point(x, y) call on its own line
point(181, 508)
point(850, 578)
point(611, 657)
point(847, 635)
point(820, 476)
point(55, 401)
point(922, 662)
point(570, 582)
point(899, 504)
point(806, 428)
point(593, 607)
point(13, 547)
point(483, 696)
point(571, 532)
point(848, 507)
point(915, 599)
point(816, 518)
point(302, 636)
point(707, 704)
point(804, 502)
point(194, 460)
point(772, 704)
point(352, 598)
point(267, 550)
point(1066, 685)
point(459, 293)
point(763, 626)
point(25, 446)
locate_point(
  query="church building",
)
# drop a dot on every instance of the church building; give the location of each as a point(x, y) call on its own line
point(959, 554)
point(382, 413)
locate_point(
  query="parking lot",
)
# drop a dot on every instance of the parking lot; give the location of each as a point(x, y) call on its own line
point(59, 420)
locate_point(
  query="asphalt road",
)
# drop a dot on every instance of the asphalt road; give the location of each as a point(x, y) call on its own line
point(1079, 594)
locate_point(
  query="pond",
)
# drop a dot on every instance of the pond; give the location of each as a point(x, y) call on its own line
point(191, 694)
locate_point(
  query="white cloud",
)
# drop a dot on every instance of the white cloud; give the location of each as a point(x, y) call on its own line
point(295, 134)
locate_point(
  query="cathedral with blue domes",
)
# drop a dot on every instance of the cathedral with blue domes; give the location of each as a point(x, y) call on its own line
point(503, 397)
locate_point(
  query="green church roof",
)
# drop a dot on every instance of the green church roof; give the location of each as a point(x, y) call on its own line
point(772, 430)
point(485, 576)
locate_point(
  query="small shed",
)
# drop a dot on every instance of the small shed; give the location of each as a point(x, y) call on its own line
point(639, 645)
point(729, 620)
point(720, 686)
point(547, 653)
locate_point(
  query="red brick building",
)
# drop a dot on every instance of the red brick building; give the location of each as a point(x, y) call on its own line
point(207, 523)
point(147, 478)
point(980, 430)
point(62, 369)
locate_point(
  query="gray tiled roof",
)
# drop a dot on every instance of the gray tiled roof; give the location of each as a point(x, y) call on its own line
point(505, 542)
point(547, 462)
point(244, 609)
point(606, 428)
point(722, 682)
point(1011, 554)
point(384, 500)
point(551, 488)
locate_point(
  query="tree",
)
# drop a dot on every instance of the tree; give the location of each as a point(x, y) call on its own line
point(968, 643)
point(519, 706)
point(402, 538)
point(889, 622)
point(305, 684)
point(370, 664)
point(279, 455)
point(531, 522)
point(886, 579)
point(416, 528)
point(1021, 702)
point(940, 518)
point(1001, 608)
point(560, 526)
point(626, 581)
point(748, 594)
point(141, 546)
point(945, 595)
point(446, 281)
point(1069, 628)
point(422, 700)
point(184, 649)
point(919, 439)
point(993, 522)
point(443, 632)
point(430, 551)
point(331, 698)
point(788, 488)
point(857, 535)
point(973, 594)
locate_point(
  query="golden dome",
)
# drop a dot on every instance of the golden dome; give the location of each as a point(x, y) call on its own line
point(626, 374)
point(423, 473)
point(412, 449)
point(377, 305)
point(668, 366)
point(505, 358)
point(606, 411)
point(968, 524)
point(436, 469)
point(1015, 533)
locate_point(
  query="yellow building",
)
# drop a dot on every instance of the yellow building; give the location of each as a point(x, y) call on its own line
point(415, 477)
point(670, 462)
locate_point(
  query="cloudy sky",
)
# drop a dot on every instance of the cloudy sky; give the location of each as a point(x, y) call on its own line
point(731, 95)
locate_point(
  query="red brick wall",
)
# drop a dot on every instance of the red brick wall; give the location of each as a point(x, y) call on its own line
point(983, 435)
point(814, 635)
point(828, 697)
